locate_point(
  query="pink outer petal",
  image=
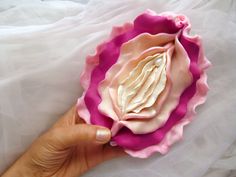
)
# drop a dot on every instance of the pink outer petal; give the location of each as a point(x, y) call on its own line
point(182, 78)
point(91, 62)
point(126, 60)
point(133, 142)
point(198, 99)
point(176, 133)
point(110, 54)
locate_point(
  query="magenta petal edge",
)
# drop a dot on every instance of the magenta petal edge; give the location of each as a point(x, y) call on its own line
point(170, 130)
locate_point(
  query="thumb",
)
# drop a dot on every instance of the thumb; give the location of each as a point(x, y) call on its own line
point(81, 134)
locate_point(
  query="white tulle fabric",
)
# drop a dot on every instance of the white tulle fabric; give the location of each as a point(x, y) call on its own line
point(43, 45)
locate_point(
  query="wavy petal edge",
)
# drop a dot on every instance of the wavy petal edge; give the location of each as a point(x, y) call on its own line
point(176, 133)
point(90, 63)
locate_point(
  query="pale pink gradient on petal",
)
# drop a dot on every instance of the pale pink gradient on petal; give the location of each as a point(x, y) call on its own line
point(180, 81)
point(176, 133)
point(129, 57)
point(181, 78)
point(91, 62)
point(146, 140)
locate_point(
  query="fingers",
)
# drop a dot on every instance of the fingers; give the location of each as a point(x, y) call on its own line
point(71, 117)
point(67, 119)
point(80, 134)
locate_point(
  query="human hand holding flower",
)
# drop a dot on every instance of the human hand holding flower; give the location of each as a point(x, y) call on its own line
point(143, 85)
point(68, 149)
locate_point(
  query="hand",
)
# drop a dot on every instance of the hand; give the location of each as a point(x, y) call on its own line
point(68, 149)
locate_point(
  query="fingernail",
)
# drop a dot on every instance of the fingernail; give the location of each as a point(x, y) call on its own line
point(103, 135)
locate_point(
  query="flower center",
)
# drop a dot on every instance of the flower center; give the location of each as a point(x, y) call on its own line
point(143, 84)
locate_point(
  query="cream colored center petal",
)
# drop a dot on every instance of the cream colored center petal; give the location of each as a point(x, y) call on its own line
point(143, 85)
point(181, 78)
point(135, 88)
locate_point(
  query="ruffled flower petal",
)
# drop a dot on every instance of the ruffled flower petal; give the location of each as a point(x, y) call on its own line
point(145, 114)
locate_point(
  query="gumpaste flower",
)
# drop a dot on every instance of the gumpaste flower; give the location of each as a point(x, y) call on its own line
point(145, 82)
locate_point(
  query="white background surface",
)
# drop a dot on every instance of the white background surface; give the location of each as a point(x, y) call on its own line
point(43, 45)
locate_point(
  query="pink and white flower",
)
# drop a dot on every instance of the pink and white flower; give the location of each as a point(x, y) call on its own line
point(145, 82)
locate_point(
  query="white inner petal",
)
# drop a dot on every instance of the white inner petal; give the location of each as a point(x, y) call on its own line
point(143, 85)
